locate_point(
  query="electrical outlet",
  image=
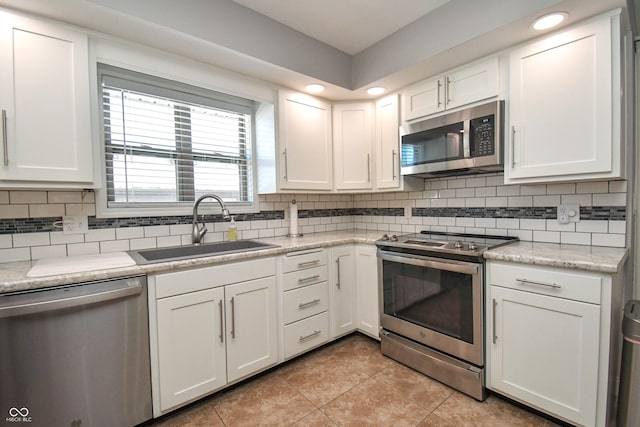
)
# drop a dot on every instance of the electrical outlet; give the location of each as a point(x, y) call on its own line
point(568, 213)
point(75, 224)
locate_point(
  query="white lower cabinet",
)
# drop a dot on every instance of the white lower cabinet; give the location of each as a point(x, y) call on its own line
point(305, 301)
point(251, 327)
point(343, 290)
point(209, 327)
point(215, 325)
point(191, 348)
point(549, 339)
point(367, 290)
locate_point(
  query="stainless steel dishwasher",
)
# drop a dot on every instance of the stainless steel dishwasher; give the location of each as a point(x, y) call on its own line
point(76, 355)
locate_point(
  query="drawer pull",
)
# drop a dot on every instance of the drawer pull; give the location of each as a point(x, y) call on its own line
point(311, 335)
point(306, 279)
point(304, 264)
point(307, 304)
point(533, 282)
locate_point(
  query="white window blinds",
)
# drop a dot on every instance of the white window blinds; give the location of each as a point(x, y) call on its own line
point(167, 143)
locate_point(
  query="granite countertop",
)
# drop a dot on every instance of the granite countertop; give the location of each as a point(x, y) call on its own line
point(591, 258)
point(13, 275)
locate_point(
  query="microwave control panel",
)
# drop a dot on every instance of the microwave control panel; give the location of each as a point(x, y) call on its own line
point(482, 136)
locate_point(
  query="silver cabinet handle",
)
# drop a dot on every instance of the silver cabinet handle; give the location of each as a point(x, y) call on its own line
point(513, 147)
point(495, 305)
point(393, 164)
point(305, 279)
point(448, 90)
point(304, 264)
point(311, 335)
point(286, 168)
point(368, 167)
point(221, 321)
point(233, 318)
point(307, 304)
point(338, 267)
point(438, 93)
point(5, 143)
point(533, 282)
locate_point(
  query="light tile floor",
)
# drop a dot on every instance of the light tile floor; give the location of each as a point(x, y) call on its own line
point(348, 383)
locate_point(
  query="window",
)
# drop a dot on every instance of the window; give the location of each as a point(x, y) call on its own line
point(168, 143)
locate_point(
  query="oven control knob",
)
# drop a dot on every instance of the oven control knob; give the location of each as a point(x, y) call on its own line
point(472, 246)
point(384, 237)
point(458, 245)
point(394, 238)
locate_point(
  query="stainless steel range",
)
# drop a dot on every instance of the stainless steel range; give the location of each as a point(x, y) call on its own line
point(431, 309)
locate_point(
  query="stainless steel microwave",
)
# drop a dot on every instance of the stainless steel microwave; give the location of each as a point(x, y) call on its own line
point(462, 142)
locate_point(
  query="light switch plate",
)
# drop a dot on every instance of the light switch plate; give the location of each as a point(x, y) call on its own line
point(75, 224)
point(568, 213)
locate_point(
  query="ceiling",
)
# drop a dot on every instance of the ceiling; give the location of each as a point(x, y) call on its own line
point(347, 45)
point(348, 25)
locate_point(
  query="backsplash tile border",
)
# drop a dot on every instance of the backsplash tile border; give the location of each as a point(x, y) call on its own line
point(613, 213)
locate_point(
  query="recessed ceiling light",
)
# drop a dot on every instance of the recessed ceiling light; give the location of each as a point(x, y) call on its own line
point(548, 21)
point(314, 88)
point(376, 90)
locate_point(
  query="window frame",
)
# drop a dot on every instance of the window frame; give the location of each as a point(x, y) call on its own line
point(166, 208)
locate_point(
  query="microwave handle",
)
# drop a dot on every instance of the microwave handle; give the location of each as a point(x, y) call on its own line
point(466, 138)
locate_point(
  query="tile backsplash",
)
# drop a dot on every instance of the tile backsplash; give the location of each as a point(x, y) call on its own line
point(473, 204)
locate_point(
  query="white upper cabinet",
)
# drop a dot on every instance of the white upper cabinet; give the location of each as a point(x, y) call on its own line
point(304, 142)
point(465, 85)
point(353, 146)
point(387, 142)
point(44, 97)
point(565, 106)
point(387, 149)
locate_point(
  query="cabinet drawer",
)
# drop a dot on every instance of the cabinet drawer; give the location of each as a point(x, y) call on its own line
point(305, 277)
point(562, 283)
point(300, 260)
point(197, 279)
point(306, 334)
point(305, 302)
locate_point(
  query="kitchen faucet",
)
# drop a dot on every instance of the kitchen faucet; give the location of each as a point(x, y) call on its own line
point(198, 233)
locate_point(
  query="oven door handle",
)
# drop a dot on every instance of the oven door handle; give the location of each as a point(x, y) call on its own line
point(435, 263)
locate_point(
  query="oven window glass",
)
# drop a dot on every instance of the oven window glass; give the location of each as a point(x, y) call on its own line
point(433, 145)
point(435, 299)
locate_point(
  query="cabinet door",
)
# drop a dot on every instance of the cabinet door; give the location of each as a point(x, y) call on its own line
point(562, 103)
point(544, 351)
point(343, 289)
point(472, 84)
point(423, 98)
point(44, 96)
point(387, 143)
point(352, 143)
point(191, 348)
point(251, 327)
point(305, 142)
point(367, 290)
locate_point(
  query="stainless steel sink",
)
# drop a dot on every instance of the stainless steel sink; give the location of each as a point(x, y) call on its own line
point(173, 253)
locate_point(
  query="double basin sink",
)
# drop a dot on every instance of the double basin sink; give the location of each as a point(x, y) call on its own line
point(175, 253)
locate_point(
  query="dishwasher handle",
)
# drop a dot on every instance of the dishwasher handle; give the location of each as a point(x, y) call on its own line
point(113, 290)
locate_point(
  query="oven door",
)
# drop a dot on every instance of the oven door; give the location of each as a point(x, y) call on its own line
point(436, 302)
